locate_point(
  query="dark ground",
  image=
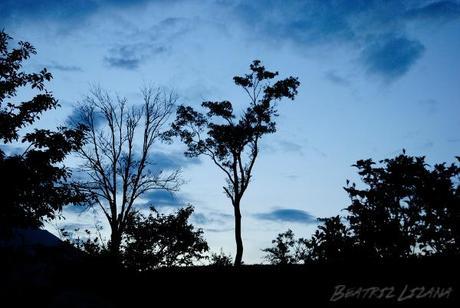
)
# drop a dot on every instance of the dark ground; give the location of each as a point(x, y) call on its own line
point(50, 279)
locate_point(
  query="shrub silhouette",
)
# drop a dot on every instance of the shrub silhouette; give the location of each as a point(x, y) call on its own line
point(283, 250)
point(220, 259)
point(160, 240)
point(330, 242)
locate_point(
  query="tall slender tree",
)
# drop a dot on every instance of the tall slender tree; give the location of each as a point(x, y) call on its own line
point(232, 141)
point(117, 157)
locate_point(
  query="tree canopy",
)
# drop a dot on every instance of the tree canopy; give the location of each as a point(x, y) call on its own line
point(34, 183)
point(162, 240)
point(405, 209)
point(231, 140)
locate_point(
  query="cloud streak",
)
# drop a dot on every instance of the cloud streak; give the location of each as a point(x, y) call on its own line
point(287, 215)
point(64, 68)
point(141, 44)
point(172, 161)
point(162, 198)
point(335, 78)
point(131, 56)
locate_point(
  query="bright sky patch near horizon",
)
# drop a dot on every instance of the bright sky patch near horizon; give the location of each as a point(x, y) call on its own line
point(376, 77)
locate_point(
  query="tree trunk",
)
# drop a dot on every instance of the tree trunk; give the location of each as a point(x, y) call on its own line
point(115, 242)
point(238, 239)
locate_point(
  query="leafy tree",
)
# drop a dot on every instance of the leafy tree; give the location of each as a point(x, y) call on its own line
point(283, 252)
point(331, 242)
point(34, 184)
point(232, 141)
point(118, 168)
point(162, 240)
point(406, 208)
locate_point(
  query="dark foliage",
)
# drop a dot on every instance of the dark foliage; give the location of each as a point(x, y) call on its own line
point(89, 244)
point(283, 250)
point(232, 140)
point(34, 184)
point(406, 210)
point(159, 240)
point(220, 259)
point(330, 242)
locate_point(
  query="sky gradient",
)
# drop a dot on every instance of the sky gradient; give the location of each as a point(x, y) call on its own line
point(376, 77)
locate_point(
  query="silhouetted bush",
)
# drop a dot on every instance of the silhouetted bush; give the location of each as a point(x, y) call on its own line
point(283, 250)
point(220, 259)
point(152, 241)
point(162, 240)
point(330, 242)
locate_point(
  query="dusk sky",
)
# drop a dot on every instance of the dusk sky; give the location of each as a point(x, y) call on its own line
point(376, 77)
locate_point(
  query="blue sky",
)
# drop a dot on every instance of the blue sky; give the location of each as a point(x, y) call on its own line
point(376, 77)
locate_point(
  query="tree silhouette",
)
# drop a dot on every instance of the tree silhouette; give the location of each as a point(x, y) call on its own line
point(118, 169)
point(34, 183)
point(149, 241)
point(162, 240)
point(91, 245)
point(283, 250)
point(406, 208)
point(230, 141)
point(330, 242)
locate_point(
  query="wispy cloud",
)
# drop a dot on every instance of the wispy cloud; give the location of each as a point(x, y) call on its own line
point(121, 62)
point(172, 161)
point(217, 230)
point(292, 177)
point(289, 146)
point(137, 45)
point(335, 78)
point(162, 198)
point(431, 105)
point(131, 56)
point(211, 218)
point(287, 215)
point(61, 67)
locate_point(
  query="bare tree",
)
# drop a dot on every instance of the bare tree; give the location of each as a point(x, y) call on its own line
point(117, 154)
